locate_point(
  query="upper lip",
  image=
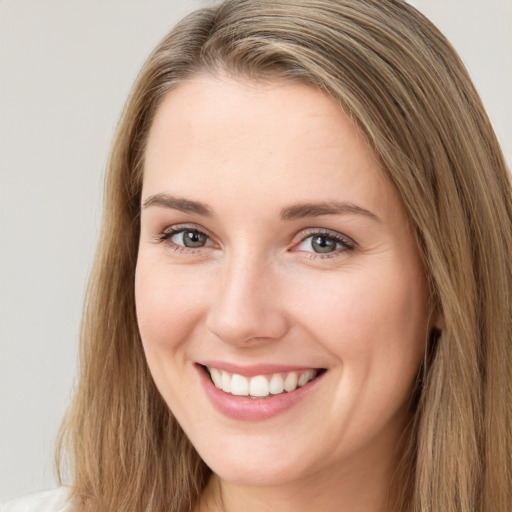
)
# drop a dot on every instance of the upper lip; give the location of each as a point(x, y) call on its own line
point(255, 369)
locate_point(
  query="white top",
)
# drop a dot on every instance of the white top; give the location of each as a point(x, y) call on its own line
point(46, 501)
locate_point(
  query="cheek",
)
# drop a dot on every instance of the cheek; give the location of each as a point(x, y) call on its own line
point(168, 310)
point(365, 307)
point(375, 323)
point(168, 305)
point(376, 328)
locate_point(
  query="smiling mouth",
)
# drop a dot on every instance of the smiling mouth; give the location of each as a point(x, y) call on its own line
point(261, 386)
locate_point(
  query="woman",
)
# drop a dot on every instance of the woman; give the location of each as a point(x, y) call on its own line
point(301, 297)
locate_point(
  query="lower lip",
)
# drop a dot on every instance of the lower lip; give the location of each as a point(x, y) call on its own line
point(253, 409)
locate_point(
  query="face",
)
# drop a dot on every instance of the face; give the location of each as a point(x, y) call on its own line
point(280, 296)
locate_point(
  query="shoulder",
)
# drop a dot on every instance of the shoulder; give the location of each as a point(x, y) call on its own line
point(55, 500)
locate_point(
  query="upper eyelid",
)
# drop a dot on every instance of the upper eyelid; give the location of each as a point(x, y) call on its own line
point(323, 231)
point(301, 235)
point(165, 236)
point(177, 228)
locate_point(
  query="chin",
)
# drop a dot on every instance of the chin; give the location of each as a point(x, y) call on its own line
point(256, 461)
point(243, 473)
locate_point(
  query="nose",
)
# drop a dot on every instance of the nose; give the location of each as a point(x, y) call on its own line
point(246, 308)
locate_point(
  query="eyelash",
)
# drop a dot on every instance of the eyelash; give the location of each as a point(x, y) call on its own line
point(166, 235)
point(347, 244)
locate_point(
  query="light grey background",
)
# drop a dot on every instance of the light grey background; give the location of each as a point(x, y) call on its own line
point(66, 67)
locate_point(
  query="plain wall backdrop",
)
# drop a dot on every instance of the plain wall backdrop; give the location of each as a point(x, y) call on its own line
point(66, 67)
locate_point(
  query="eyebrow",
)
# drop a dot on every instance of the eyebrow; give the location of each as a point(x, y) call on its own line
point(178, 203)
point(299, 211)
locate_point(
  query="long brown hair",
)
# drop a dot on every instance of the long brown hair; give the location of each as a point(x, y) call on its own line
point(403, 85)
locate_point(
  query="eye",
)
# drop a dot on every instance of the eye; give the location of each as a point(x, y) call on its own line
point(320, 244)
point(184, 237)
point(325, 243)
point(189, 238)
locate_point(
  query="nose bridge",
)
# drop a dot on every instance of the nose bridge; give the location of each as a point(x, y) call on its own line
point(244, 309)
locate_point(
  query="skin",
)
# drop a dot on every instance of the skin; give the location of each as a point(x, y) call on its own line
point(257, 292)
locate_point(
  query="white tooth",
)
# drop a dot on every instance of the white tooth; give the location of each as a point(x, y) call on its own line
point(239, 385)
point(276, 384)
point(216, 377)
point(259, 386)
point(303, 379)
point(290, 383)
point(306, 377)
point(226, 382)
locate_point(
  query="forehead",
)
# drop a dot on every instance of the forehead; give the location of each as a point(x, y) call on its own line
point(226, 110)
point(223, 137)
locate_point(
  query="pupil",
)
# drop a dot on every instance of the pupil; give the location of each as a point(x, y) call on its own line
point(194, 239)
point(323, 244)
